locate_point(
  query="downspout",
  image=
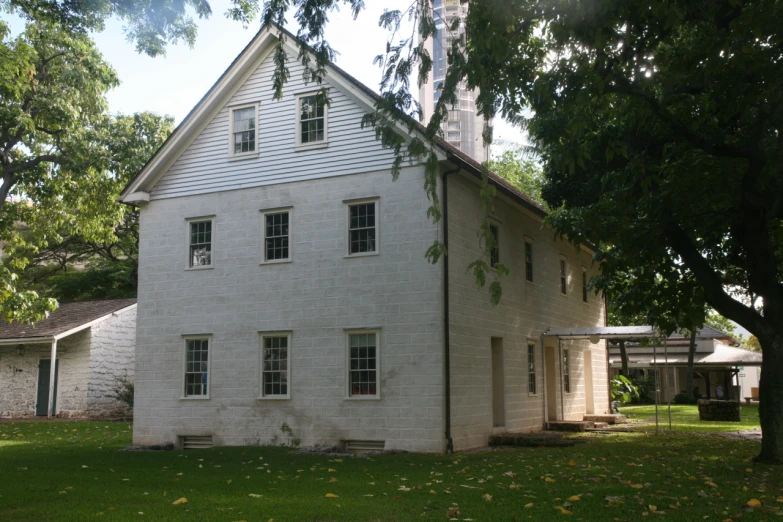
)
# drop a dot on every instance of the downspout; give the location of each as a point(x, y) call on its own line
point(446, 325)
point(543, 382)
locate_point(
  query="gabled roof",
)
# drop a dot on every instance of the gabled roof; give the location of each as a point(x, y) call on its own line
point(68, 318)
point(233, 77)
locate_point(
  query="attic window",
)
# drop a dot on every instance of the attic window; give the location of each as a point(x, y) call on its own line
point(243, 130)
point(312, 121)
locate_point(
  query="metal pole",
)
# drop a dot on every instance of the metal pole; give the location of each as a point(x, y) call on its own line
point(668, 399)
point(655, 381)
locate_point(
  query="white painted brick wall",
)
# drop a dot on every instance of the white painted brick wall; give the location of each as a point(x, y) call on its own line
point(525, 312)
point(19, 377)
point(112, 356)
point(317, 296)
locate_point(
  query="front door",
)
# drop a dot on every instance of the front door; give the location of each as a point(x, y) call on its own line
point(551, 383)
point(42, 403)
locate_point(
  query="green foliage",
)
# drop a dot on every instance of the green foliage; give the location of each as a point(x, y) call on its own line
point(123, 391)
point(623, 390)
point(752, 343)
point(150, 25)
point(524, 173)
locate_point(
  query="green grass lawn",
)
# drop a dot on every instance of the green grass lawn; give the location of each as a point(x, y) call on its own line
point(686, 418)
point(76, 471)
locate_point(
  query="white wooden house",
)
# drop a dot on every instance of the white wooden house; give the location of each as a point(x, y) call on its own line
point(284, 291)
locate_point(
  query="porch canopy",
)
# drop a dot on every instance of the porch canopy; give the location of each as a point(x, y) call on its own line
point(596, 333)
point(722, 357)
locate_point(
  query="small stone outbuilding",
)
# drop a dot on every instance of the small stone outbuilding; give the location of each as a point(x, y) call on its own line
point(93, 343)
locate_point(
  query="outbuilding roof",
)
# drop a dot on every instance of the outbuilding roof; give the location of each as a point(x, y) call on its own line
point(67, 318)
point(723, 355)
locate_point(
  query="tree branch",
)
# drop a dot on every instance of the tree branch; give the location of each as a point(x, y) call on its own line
point(713, 285)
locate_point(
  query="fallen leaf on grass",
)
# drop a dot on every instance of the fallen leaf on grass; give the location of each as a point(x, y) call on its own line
point(549, 479)
point(652, 508)
point(562, 510)
point(255, 495)
point(182, 500)
point(332, 480)
point(530, 505)
point(754, 502)
point(487, 497)
point(331, 495)
point(575, 498)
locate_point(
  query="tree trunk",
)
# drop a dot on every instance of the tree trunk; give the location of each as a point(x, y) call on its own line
point(771, 401)
point(624, 358)
point(689, 375)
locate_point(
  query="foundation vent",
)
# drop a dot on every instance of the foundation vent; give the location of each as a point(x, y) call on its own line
point(197, 442)
point(363, 446)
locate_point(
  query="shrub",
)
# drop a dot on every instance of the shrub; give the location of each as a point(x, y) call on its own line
point(123, 391)
point(623, 390)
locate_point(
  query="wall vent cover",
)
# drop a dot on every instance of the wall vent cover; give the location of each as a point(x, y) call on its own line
point(197, 441)
point(363, 446)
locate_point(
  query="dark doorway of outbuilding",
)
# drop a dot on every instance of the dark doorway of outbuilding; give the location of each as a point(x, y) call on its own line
point(42, 400)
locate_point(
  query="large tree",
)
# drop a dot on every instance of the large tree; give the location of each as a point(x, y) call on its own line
point(657, 123)
point(74, 266)
point(150, 25)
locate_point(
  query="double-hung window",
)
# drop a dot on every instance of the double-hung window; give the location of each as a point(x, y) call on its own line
point(529, 261)
point(566, 371)
point(563, 276)
point(276, 225)
point(197, 366)
point(312, 120)
point(363, 227)
point(275, 365)
point(494, 250)
point(584, 285)
point(531, 367)
point(363, 367)
point(244, 136)
point(200, 242)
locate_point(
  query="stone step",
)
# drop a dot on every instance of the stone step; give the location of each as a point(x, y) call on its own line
point(600, 425)
point(570, 425)
point(615, 418)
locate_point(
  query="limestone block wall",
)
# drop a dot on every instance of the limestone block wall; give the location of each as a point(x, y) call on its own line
point(19, 377)
point(525, 312)
point(112, 356)
point(316, 297)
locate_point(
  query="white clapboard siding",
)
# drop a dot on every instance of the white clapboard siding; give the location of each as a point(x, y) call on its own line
point(205, 166)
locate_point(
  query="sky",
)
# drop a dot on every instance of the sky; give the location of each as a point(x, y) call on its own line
point(174, 83)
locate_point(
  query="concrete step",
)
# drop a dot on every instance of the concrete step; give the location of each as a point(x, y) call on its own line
point(615, 418)
point(570, 425)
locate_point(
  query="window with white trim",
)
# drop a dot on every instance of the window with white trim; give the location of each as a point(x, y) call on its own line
point(277, 235)
point(312, 120)
point(563, 277)
point(584, 285)
point(196, 366)
point(200, 242)
point(243, 130)
point(494, 250)
point(566, 371)
point(363, 371)
point(531, 367)
point(275, 365)
point(529, 261)
point(363, 227)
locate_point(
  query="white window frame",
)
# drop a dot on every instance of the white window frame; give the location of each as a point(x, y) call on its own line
point(188, 259)
point(525, 241)
point(494, 223)
point(361, 331)
point(280, 210)
point(261, 395)
point(316, 144)
point(532, 343)
point(562, 273)
point(241, 155)
point(585, 283)
point(184, 367)
point(347, 234)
